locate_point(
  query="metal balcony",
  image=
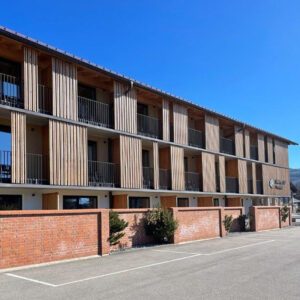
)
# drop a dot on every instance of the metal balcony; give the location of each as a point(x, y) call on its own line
point(45, 99)
point(103, 174)
point(232, 185)
point(94, 112)
point(259, 187)
point(227, 146)
point(149, 126)
point(165, 179)
point(148, 178)
point(196, 138)
point(193, 181)
point(11, 91)
point(37, 166)
point(5, 166)
point(254, 152)
point(250, 186)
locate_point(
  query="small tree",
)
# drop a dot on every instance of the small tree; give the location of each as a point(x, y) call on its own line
point(228, 222)
point(116, 227)
point(284, 211)
point(160, 224)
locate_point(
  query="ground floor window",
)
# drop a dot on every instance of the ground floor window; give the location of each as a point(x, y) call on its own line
point(79, 202)
point(216, 202)
point(139, 202)
point(10, 202)
point(183, 202)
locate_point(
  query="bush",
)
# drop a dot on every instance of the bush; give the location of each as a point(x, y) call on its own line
point(228, 222)
point(116, 226)
point(284, 211)
point(242, 222)
point(160, 224)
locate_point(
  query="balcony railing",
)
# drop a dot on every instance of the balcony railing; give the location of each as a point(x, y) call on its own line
point(232, 185)
point(250, 186)
point(259, 187)
point(103, 174)
point(149, 126)
point(148, 181)
point(196, 138)
point(45, 99)
point(254, 152)
point(11, 91)
point(193, 181)
point(37, 168)
point(164, 179)
point(94, 112)
point(227, 146)
point(5, 166)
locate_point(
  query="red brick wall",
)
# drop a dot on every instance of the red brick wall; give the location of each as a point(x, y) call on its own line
point(31, 237)
point(235, 212)
point(267, 217)
point(135, 233)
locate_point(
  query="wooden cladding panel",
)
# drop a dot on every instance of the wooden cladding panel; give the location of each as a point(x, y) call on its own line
point(233, 202)
point(168, 201)
point(156, 165)
point(254, 178)
point(212, 133)
point(261, 147)
point(243, 181)
point(165, 158)
point(30, 79)
point(239, 141)
point(166, 120)
point(247, 143)
point(131, 162)
point(270, 150)
point(50, 201)
point(180, 123)
point(120, 201)
point(125, 108)
point(64, 90)
point(68, 154)
point(177, 168)
point(18, 147)
point(222, 174)
point(272, 172)
point(209, 172)
point(281, 154)
point(205, 201)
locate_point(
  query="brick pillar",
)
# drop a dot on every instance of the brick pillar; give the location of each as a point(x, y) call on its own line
point(222, 219)
point(174, 211)
point(104, 246)
point(290, 217)
point(252, 214)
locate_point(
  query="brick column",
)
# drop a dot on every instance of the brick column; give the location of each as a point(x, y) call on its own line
point(104, 246)
point(174, 211)
point(222, 219)
point(252, 214)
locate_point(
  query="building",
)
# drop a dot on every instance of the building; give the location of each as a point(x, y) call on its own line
point(83, 137)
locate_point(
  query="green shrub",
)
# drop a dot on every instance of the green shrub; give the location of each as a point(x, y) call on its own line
point(242, 222)
point(160, 224)
point(116, 227)
point(284, 211)
point(228, 222)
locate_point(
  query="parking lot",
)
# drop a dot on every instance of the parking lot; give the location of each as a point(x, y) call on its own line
point(264, 265)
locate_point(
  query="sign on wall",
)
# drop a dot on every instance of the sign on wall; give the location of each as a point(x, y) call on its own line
point(277, 184)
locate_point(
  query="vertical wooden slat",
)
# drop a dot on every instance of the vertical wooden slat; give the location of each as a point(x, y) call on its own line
point(281, 153)
point(239, 141)
point(212, 133)
point(242, 172)
point(180, 123)
point(270, 150)
point(222, 174)
point(166, 120)
point(261, 147)
point(254, 178)
point(247, 143)
point(209, 172)
point(177, 168)
point(155, 165)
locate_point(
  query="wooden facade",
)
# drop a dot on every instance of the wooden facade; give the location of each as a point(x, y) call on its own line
point(270, 150)
point(261, 147)
point(254, 186)
point(166, 120)
point(239, 141)
point(209, 172)
point(242, 173)
point(247, 143)
point(156, 165)
point(67, 154)
point(177, 168)
point(180, 123)
point(212, 133)
point(222, 174)
point(281, 154)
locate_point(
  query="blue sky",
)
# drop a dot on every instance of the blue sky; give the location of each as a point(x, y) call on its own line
point(240, 58)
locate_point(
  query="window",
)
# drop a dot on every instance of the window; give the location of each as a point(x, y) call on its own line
point(183, 202)
point(139, 202)
point(216, 202)
point(86, 92)
point(10, 202)
point(79, 202)
point(186, 164)
point(142, 109)
point(92, 151)
point(145, 158)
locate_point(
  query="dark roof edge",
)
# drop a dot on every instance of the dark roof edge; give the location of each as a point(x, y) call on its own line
point(35, 43)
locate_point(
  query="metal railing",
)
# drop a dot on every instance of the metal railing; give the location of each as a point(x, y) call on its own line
point(259, 187)
point(94, 112)
point(227, 146)
point(148, 178)
point(103, 174)
point(45, 99)
point(254, 152)
point(196, 138)
point(193, 181)
point(5, 166)
point(11, 91)
point(164, 179)
point(250, 186)
point(37, 166)
point(149, 126)
point(232, 185)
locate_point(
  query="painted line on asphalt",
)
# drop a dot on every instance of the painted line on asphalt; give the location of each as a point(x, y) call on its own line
point(192, 255)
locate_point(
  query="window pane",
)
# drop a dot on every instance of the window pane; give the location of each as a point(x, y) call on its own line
point(183, 202)
point(77, 202)
point(139, 202)
point(10, 202)
point(87, 202)
point(70, 203)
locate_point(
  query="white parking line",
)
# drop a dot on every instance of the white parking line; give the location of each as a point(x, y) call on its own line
point(191, 255)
